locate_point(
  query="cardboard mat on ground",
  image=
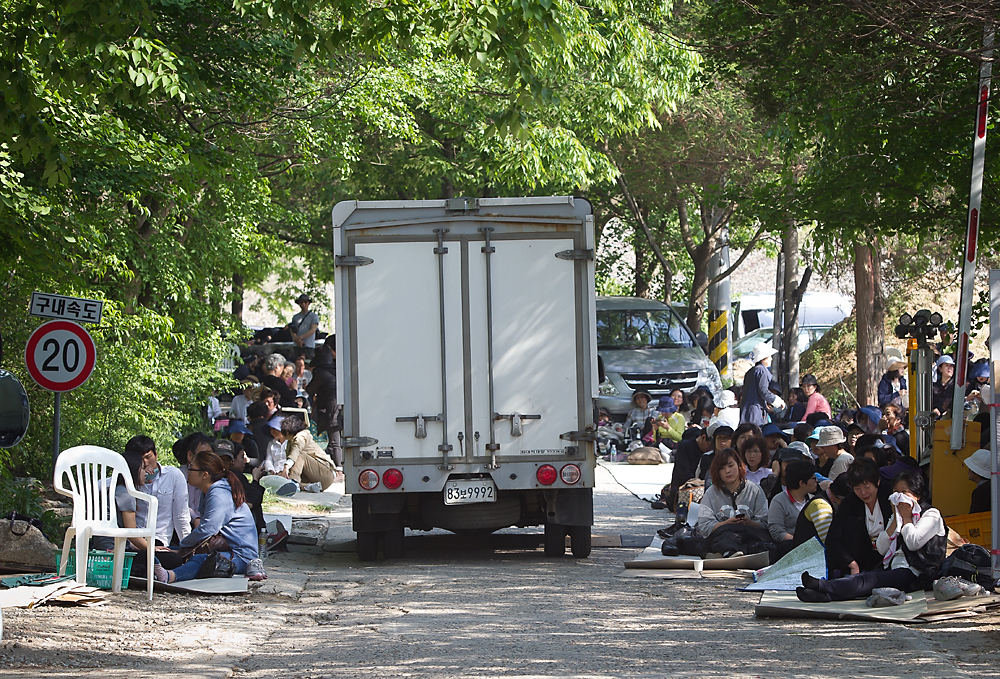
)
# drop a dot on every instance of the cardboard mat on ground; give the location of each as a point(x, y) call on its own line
point(643, 481)
point(237, 584)
point(691, 567)
point(67, 592)
point(920, 609)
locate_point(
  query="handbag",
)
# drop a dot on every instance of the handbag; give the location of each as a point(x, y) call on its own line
point(217, 565)
point(216, 543)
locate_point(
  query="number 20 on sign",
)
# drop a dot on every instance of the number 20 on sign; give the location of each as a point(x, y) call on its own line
point(60, 355)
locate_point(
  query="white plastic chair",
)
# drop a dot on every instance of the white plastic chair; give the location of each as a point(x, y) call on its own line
point(93, 474)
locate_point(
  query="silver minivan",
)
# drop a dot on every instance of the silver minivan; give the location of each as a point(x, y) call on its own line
point(645, 346)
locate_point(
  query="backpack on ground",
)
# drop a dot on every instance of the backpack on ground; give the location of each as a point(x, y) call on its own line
point(970, 562)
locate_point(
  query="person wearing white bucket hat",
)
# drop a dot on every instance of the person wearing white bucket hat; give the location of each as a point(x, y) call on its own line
point(832, 460)
point(892, 387)
point(757, 396)
point(980, 465)
point(726, 410)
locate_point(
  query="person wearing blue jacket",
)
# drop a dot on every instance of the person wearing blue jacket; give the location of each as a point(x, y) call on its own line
point(224, 512)
point(757, 394)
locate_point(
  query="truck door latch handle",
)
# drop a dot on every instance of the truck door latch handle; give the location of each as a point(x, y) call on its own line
point(516, 429)
point(420, 422)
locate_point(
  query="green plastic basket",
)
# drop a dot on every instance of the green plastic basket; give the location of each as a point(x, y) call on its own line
point(100, 567)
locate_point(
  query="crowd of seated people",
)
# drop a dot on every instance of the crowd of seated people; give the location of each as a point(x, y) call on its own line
point(849, 481)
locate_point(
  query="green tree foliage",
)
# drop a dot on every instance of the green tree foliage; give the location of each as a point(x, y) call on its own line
point(152, 152)
point(706, 167)
point(886, 120)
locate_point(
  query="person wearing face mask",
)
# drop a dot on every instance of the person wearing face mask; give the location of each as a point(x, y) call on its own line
point(169, 487)
point(892, 387)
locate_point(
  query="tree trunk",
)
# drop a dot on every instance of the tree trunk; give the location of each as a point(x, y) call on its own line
point(641, 279)
point(701, 258)
point(790, 335)
point(869, 306)
point(238, 297)
point(447, 187)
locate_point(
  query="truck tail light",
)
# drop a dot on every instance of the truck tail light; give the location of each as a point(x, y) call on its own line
point(392, 479)
point(570, 474)
point(368, 479)
point(546, 475)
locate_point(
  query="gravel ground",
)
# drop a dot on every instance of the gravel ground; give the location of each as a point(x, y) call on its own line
point(477, 613)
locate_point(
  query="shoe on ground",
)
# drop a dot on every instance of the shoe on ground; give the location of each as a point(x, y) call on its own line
point(811, 596)
point(315, 487)
point(969, 588)
point(276, 540)
point(160, 573)
point(947, 588)
point(255, 570)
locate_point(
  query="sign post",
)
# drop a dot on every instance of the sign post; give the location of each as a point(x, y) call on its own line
point(60, 356)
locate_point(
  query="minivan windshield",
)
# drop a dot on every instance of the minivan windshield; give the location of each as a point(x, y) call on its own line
point(641, 329)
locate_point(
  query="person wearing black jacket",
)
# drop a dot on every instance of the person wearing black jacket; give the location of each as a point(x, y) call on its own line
point(323, 391)
point(273, 365)
point(693, 445)
point(257, 414)
point(850, 544)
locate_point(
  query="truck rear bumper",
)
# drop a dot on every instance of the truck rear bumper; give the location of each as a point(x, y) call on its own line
point(423, 511)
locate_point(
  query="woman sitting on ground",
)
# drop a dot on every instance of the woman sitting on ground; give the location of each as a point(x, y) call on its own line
point(757, 459)
point(731, 500)
point(859, 520)
point(912, 546)
point(306, 463)
point(224, 513)
point(744, 432)
point(669, 424)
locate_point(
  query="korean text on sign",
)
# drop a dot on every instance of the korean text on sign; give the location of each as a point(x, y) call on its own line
point(46, 305)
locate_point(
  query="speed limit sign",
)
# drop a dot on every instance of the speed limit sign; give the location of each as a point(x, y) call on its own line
point(60, 355)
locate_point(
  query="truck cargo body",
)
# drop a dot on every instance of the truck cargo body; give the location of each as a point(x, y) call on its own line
point(466, 350)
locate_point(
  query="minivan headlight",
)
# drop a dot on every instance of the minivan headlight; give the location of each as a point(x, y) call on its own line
point(709, 377)
point(605, 388)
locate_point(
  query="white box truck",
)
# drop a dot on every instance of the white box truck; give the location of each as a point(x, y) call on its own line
point(466, 353)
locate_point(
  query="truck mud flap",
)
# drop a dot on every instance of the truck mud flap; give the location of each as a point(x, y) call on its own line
point(570, 506)
point(377, 512)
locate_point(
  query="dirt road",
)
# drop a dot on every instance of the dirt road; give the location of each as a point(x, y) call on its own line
point(479, 614)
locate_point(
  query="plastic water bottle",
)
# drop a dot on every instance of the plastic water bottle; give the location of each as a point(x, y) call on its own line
point(262, 544)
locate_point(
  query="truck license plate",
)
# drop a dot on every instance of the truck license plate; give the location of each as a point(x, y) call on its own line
point(465, 492)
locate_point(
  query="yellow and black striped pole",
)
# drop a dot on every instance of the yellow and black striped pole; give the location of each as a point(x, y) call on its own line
point(718, 339)
point(718, 309)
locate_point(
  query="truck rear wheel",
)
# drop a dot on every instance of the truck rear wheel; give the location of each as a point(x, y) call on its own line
point(579, 540)
point(555, 539)
point(392, 543)
point(368, 545)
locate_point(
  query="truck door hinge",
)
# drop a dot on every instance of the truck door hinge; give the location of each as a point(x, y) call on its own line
point(516, 428)
point(358, 442)
point(420, 422)
point(345, 260)
point(585, 435)
point(575, 254)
